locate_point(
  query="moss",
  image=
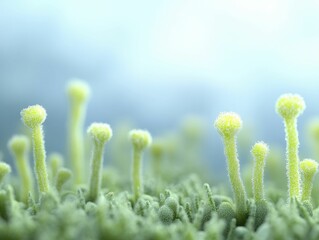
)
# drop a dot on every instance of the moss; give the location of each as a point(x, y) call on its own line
point(176, 199)
point(289, 107)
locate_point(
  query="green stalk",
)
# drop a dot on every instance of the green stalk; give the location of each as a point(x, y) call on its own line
point(289, 107)
point(292, 156)
point(24, 171)
point(33, 117)
point(227, 125)
point(100, 133)
point(56, 162)
point(234, 177)
point(307, 188)
point(78, 92)
point(259, 152)
point(96, 168)
point(136, 173)
point(140, 139)
point(308, 168)
point(39, 156)
point(19, 147)
point(76, 141)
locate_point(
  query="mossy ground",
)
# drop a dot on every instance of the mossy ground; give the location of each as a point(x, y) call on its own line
point(177, 202)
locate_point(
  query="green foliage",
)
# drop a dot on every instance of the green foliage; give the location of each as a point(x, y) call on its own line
point(174, 201)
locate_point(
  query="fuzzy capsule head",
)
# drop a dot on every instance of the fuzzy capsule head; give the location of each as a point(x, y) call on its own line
point(100, 132)
point(57, 158)
point(228, 124)
point(4, 169)
point(19, 144)
point(140, 139)
point(290, 106)
point(260, 150)
point(313, 129)
point(64, 174)
point(157, 149)
point(309, 167)
point(33, 116)
point(78, 91)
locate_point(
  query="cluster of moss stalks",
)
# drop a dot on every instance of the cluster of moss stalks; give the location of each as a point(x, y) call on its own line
point(78, 201)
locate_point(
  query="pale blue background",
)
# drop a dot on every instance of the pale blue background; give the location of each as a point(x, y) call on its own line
point(154, 62)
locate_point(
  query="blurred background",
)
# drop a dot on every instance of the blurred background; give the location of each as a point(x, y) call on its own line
point(153, 63)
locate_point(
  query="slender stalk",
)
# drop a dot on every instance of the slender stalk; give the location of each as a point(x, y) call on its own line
point(56, 162)
point(308, 168)
point(76, 141)
point(307, 188)
point(136, 173)
point(289, 107)
point(33, 117)
point(26, 177)
point(259, 152)
point(140, 140)
point(78, 92)
point(96, 168)
point(234, 176)
point(292, 156)
point(19, 147)
point(100, 133)
point(39, 156)
point(227, 125)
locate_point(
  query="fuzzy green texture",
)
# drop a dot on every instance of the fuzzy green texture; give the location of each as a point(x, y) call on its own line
point(308, 169)
point(259, 151)
point(289, 107)
point(182, 205)
point(140, 139)
point(100, 134)
point(19, 146)
point(210, 196)
point(226, 212)
point(228, 124)
point(33, 117)
point(78, 92)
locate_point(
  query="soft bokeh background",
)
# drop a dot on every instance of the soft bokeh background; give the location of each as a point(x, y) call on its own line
point(155, 62)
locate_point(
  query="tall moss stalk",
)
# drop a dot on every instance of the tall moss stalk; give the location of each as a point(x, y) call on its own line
point(33, 117)
point(78, 93)
point(289, 107)
point(19, 147)
point(140, 140)
point(259, 152)
point(228, 125)
point(100, 134)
